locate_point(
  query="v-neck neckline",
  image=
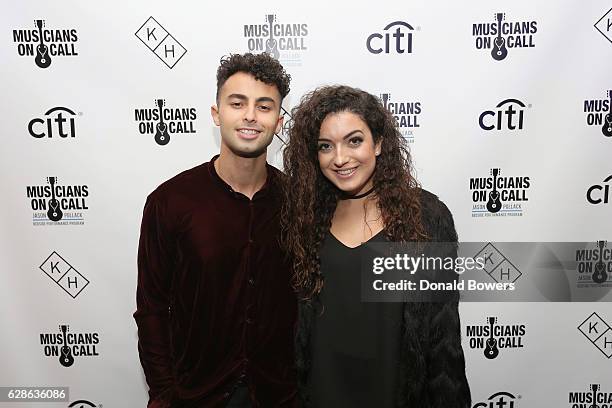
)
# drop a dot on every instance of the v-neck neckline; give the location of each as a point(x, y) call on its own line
point(358, 246)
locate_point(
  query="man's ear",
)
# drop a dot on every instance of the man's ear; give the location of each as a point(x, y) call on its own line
point(214, 112)
point(279, 124)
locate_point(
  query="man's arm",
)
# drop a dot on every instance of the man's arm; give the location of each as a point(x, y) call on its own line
point(155, 255)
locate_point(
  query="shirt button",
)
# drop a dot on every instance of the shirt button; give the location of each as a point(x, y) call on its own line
point(252, 281)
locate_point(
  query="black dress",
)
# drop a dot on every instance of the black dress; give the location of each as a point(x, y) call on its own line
point(427, 347)
point(357, 344)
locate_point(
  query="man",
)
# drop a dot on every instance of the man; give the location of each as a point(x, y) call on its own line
point(215, 308)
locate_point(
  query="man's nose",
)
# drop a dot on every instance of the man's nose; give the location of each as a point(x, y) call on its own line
point(250, 113)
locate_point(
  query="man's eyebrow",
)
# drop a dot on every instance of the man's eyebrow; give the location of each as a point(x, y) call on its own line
point(344, 138)
point(237, 96)
point(258, 100)
point(266, 99)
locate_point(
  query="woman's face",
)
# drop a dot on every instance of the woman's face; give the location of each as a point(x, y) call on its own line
point(347, 152)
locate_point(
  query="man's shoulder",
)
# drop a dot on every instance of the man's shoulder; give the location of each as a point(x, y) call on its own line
point(277, 177)
point(183, 182)
point(275, 172)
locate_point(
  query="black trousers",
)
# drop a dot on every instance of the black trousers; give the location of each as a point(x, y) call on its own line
point(240, 398)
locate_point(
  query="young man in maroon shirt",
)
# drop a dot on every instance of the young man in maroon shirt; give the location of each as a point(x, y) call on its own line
point(215, 307)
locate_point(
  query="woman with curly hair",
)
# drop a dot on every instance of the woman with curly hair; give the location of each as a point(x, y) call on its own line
point(349, 181)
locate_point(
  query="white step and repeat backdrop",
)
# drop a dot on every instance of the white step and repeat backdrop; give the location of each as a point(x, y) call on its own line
point(79, 110)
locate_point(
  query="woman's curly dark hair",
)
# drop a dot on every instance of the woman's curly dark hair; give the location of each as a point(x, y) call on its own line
point(262, 66)
point(310, 199)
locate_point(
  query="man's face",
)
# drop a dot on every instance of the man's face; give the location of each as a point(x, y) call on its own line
point(248, 114)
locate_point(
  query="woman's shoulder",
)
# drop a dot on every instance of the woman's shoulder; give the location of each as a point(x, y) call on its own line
point(437, 218)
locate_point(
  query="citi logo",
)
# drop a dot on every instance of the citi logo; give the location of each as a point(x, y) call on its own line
point(599, 193)
point(82, 404)
point(400, 31)
point(501, 399)
point(58, 121)
point(508, 115)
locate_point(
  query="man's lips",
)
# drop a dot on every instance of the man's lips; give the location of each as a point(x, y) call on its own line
point(248, 133)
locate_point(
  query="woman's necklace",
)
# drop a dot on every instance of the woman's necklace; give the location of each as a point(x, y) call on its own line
point(358, 196)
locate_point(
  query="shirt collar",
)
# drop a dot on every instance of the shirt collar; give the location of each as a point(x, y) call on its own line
point(263, 191)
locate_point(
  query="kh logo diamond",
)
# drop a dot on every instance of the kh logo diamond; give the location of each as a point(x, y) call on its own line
point(64, 274)
point(497, 266)
point(161, 42)
point(598, 332)
point(604, 25)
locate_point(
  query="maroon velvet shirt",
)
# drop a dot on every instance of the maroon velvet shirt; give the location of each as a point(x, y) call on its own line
point(214, 300)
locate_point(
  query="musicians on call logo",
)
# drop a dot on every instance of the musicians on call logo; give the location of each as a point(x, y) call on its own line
point(499, 194)
point(599, 113)
point(44, 43)
point(594, 397)
point(163, 122)
point(594, 266)
point(502, 35)
point(405, 112)
point(66, 345)
point(284, 40)
point(494, 338)
point(58, 203)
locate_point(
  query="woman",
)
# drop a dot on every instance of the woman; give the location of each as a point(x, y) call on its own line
point(350, 182)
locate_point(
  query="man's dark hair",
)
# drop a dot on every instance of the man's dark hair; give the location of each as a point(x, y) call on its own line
point(262, 66)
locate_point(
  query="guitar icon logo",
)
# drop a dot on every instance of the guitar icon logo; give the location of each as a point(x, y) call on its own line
point(385, 99)
point(162, 137)
point(606, 129)
point(42, 59)
point(494, 203)
point(594, 388)
point(499, 50)
point(600, 275)
point(491, 351)
point(271, 43)
point(54, 213)
point(66, 359)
